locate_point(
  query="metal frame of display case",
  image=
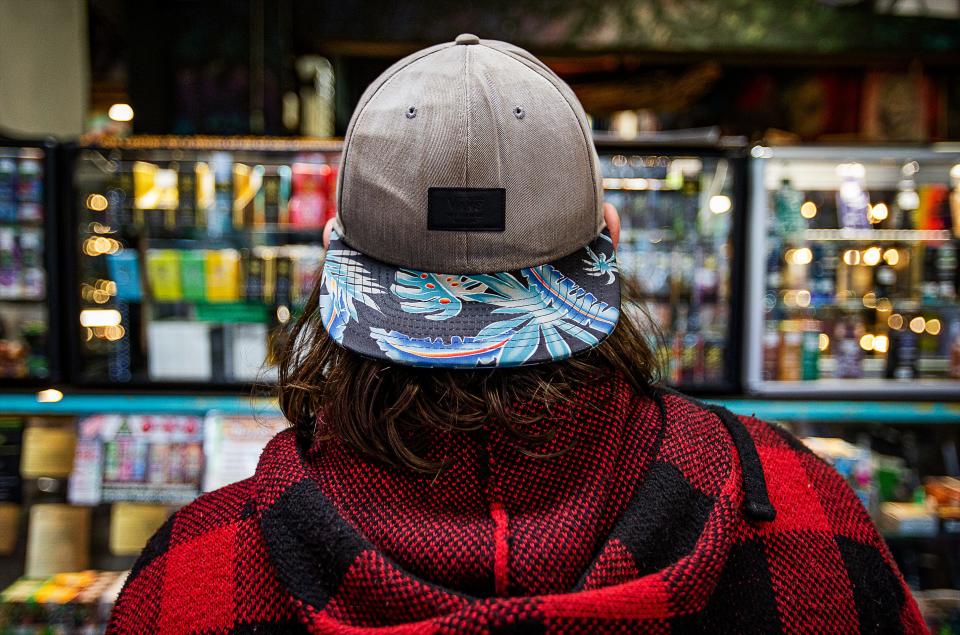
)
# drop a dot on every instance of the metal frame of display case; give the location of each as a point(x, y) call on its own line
point(171, 144)
point(734, 149)
point(53, 264)
point(753, 324)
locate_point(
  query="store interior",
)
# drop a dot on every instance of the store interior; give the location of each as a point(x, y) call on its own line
point(787, 173)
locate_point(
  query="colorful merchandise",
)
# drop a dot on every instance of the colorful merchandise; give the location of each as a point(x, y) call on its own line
point(146, 458)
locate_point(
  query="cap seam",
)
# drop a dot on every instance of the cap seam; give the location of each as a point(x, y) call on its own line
point(361, 109)
point(465, 238)
point(588, 142)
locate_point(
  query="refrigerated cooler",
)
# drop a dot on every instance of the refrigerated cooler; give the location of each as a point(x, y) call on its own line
point(193, 256)
point(681, 210)
point(853, 277)
point(28, 300)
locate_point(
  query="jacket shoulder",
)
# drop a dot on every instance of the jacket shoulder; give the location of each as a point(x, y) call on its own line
point(801, 483)
point(823, 531)
point(196, 570)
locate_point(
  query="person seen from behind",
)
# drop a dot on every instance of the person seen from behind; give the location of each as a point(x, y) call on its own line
point(479, 443)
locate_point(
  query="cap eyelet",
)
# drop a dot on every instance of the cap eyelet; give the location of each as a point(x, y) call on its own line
point(411, 112)
point(519, 112)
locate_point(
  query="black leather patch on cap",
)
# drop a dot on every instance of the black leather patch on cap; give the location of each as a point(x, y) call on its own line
point(466, 209)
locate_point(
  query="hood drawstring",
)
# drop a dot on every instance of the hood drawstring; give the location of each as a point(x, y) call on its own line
point(756, 499)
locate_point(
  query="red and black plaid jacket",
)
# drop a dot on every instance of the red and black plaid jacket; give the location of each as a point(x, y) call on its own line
point(662, 515)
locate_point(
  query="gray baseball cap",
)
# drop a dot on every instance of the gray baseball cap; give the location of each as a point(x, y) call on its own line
point(469, 227)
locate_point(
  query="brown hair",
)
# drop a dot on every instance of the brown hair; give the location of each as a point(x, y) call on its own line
point(381, 409)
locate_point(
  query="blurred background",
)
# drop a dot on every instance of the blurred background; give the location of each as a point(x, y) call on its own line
point(788, 172)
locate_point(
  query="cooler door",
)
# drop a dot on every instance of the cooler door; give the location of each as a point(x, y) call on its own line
point(28, 338)
point(192, 260)
point(679, 211)
point(853, 277)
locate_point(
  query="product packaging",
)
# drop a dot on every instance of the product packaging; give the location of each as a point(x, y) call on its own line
point(163, 272)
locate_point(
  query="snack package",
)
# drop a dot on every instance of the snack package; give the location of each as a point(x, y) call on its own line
point(308, 205)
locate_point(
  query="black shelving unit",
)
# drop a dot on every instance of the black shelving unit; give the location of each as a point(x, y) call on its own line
point(673, 233)
point(163, 237)
point(38, 312)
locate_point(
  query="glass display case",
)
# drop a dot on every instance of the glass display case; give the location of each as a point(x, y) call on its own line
point(853, 277)
point(681, 210)
point(193, 255)
point(28, 298)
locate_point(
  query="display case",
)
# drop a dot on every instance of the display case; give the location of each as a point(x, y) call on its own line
point(29, 343)
point(853, 277)
point(193, 256)
point(681, 210)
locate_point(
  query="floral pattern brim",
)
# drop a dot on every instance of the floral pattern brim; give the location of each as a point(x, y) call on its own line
point(444, 320)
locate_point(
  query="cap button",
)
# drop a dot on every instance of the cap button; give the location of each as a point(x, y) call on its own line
point(467, 38)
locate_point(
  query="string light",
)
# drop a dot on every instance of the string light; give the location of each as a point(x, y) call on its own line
point(50, 395)
point(808, 210)
point(824, 341)
point(720, 204)
point(99, 317)
point(851, 257)
point(97, 202)
point(881, 343)
point(803, 256)
point(120, 112)
point(878, 213)
point(917, 325)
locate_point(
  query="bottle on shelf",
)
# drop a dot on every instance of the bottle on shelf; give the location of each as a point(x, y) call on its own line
point(771, 351)
point(954, 367)
point(823, 274)
point(8, 189)
point(946, 267)
point(853, 201)
point(903, 353)
point(810, 351)
point(790, 366)
point(848, 355)
point(955, 200)
point(787, 202)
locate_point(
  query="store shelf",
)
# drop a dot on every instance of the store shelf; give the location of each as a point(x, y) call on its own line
point(771, 409)
point(19, 300)
point(847, 411)
point(238, 143)
point(867, 388)
point(639, 184)
point(877, 235)
point(27, 404)
point(896, 304)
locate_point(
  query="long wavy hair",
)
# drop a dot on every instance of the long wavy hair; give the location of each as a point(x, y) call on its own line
point(386, 411)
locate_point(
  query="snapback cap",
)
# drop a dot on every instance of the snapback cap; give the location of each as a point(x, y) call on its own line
point(469, 228)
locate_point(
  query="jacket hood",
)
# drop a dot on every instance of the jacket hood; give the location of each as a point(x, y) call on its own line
point(643, 493)
point(657, 514)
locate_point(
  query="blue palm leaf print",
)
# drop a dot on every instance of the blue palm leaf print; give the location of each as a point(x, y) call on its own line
point(570, 300)
point(549, 302)
point(438, 296)
point(600, 265)
point(432, 352)
point(536, 310)
point(346, 282)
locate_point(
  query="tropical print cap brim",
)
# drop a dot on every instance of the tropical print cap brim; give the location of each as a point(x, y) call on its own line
point(447, 320)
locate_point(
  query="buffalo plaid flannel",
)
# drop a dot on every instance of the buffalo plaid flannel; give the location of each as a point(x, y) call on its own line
point(650, 513)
